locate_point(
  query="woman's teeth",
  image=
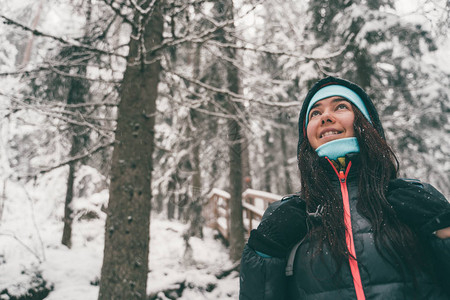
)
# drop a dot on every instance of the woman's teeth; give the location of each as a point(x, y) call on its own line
point(329, 133)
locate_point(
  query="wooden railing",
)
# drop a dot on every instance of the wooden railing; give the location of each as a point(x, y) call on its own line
point(254, 203)
point(217, 212)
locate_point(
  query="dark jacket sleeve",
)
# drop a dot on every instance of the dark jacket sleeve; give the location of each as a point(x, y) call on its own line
point(441, 247)
point(419, 205)
point(441, 255)
point(442, 220)
point(262, 278)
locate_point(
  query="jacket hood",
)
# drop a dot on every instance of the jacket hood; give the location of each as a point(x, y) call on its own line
point(336, 81)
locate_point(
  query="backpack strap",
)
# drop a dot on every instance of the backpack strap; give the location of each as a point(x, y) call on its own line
point(290, 263)
point(315, 216)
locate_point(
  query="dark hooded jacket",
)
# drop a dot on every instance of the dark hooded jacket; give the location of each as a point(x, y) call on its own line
point(306, 274)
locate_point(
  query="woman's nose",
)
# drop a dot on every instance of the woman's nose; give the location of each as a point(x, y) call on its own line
point(327, 118)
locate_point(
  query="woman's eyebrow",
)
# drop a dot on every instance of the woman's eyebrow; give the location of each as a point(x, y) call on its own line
point(340, 99)
point(334, 100)
point(315, 105)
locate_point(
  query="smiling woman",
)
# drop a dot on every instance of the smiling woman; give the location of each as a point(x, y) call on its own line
point(355, 230)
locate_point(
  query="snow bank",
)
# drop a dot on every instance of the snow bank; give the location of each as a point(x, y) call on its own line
point(170, 263)
point(30, 247)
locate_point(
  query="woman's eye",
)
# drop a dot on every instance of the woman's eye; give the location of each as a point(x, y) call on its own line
point(342, 106)
point(314, 113)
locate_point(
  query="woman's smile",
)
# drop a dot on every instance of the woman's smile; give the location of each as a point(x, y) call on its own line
point(330, 132)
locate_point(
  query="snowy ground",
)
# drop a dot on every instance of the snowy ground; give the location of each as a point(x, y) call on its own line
point(30, 233)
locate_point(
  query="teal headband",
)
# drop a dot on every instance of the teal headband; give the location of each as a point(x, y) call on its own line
point(337, 90)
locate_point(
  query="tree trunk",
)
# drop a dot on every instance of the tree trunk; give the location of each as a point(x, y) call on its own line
point(194, 210)
point(182, 203)
point(287, 174)
point(235, 177)
point(268, 161)
point(125, 261)
point(159, 200)
point(246, 174)
point(224, 11)
point(29, 46)
point(78, 90)
point(77, 144)
point(172, 198)
point(68, 218)
point(196, 203)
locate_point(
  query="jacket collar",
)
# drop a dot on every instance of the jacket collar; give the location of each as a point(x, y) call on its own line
point(341, 164)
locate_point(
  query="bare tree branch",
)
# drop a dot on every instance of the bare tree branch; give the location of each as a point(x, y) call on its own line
point(119, 13)
point(12, 235)
point(70, 42)
point(69, 160)
point(58, 115)
point(233, 96)
point(263, 49)
point(200, 38)
point(65, 74)
point(144, 11)
point(54, 103)
point(241, 67)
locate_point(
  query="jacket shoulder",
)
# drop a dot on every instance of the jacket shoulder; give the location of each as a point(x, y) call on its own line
point(274, 205)
point(425, 186)
point(291, 197)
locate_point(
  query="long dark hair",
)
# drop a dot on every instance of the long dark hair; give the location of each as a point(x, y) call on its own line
point(377, 165)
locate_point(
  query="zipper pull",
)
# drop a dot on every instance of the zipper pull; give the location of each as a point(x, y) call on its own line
point(342, 176)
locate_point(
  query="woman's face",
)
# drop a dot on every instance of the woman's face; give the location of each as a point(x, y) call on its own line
point(330, 119)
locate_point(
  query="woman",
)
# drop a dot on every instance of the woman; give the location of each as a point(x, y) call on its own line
point(355, 231)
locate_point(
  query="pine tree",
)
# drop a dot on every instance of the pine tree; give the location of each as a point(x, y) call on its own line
point(125, 262)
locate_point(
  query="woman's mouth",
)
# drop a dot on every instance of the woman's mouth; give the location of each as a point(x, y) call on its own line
point(328, 133)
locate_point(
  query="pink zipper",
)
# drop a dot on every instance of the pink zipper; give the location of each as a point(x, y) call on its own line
point(349, 232)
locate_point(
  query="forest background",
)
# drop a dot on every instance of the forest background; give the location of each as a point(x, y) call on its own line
point(121, 116)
